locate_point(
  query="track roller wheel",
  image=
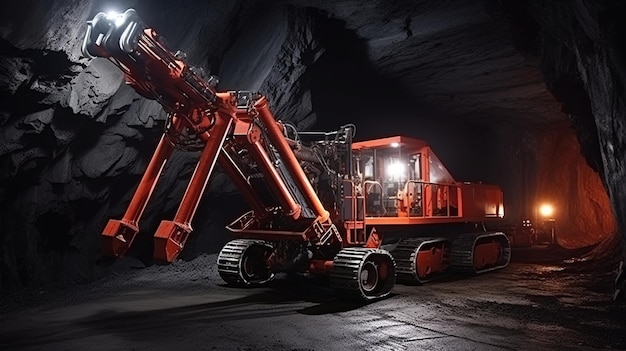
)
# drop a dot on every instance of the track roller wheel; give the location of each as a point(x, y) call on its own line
point(420, 260)
point(363, 273)
point(482, 252)
point(243, 262)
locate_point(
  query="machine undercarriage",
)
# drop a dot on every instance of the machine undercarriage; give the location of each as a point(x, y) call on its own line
point(320, 202)
point(367, 273)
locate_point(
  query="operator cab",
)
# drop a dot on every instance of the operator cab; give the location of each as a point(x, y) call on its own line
point(402, 177)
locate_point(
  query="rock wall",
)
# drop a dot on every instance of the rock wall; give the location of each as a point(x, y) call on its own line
point(583, 48)
point(565, 180)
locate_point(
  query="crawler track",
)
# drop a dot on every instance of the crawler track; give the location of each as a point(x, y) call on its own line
point(482, 252)
point(242, 262)
point(431, 253)
point(363, 273)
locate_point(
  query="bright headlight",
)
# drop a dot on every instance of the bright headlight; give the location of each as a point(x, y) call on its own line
point(116, 17)
point(395, 169)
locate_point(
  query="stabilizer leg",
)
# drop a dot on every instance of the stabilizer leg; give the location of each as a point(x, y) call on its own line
point(118, 235)
point(171, 236)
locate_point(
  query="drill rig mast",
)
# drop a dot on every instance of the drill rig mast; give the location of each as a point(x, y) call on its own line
point(312, 209)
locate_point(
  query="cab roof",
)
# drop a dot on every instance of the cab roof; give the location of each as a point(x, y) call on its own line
point(393, 141)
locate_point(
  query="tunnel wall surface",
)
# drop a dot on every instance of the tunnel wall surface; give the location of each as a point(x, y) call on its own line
point(583, 60)
point(582, 210)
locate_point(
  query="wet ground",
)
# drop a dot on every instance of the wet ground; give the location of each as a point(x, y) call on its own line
point(555, 304)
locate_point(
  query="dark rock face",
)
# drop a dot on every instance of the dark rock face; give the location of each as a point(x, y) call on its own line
point(588, 51)
point(494, 87)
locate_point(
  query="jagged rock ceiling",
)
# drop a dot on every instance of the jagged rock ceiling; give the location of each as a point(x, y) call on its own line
point(497, 87)
point(462, 58)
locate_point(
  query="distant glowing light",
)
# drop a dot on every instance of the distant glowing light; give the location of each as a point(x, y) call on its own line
point(394, 144)
point(546, 210)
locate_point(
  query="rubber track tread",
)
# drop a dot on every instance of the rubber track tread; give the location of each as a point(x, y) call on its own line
point(344, 278)
point(228, 261)
point(462, 257)
point(404, 255)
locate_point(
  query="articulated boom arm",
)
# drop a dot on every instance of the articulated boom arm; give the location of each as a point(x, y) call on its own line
point(235, 128)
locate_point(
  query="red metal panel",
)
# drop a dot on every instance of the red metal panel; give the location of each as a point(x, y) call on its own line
point(482, 200)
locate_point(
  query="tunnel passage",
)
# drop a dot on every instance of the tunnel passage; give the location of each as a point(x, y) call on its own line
point(346, 87)
point(582, 214)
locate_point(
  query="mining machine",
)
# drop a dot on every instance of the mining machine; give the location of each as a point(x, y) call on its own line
point(363, 213)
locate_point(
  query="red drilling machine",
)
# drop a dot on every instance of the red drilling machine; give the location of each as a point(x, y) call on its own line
point(365, 213)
